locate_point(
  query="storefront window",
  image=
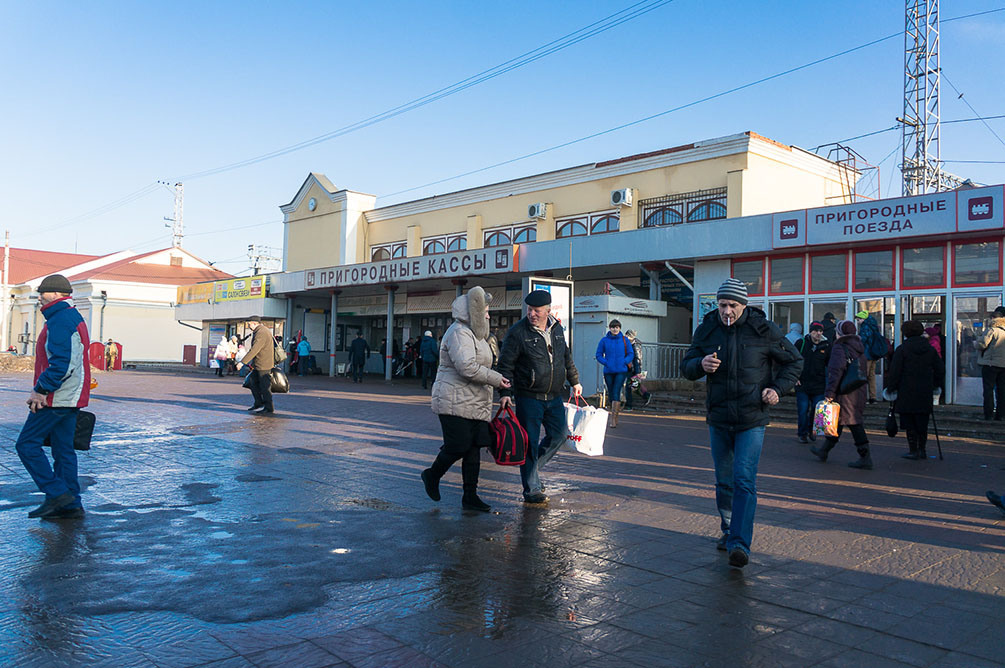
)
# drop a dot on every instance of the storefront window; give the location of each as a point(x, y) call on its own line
point(829, 273)
point(874, 270)
point(978, 263)
point(750, 272)
point(923, 267)
point(786, 275)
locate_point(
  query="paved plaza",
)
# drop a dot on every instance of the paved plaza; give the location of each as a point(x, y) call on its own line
point(218, 538)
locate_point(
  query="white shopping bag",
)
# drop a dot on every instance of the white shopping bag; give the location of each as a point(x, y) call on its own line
point(587, 428)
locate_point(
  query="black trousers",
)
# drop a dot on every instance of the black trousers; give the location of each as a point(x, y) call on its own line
point(857, 433)
point(993, 378)
point(261, 388)
point(915, 425)
point(463, 439)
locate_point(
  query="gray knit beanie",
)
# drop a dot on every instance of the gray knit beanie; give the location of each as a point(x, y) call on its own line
point(733, 288)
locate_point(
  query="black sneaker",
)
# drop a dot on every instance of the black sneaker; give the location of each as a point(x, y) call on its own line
point(738, 558)
point(51, 505)
point(538, 498)
point(803, 439)
point(256, 407)
point(721, 543)
point(66, 514)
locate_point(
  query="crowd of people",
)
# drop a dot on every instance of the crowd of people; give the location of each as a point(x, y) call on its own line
point(744, 358)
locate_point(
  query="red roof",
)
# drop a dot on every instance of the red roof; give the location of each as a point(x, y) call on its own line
point(131, 271)
point(26, 264)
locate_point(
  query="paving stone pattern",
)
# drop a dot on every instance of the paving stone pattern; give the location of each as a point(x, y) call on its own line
point(218, 538)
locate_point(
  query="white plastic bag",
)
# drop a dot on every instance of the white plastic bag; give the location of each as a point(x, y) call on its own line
point(587, 428)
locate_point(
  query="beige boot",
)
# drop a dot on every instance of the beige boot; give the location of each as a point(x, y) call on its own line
point(615, 409)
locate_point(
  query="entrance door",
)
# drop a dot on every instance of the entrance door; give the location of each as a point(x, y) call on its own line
point(786, 314)
point(972, 316)
point(884, 311)
point(819, 309)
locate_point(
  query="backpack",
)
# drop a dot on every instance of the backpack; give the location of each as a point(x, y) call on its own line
point(278, 354)
point(509, 439)
point(878, 345)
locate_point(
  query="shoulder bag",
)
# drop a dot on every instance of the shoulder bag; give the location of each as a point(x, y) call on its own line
point(852, 378)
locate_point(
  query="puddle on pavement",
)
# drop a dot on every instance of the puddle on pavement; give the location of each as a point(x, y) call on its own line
point(299, 451)
point(204, 429)
point(374, 504)
point(255, 477)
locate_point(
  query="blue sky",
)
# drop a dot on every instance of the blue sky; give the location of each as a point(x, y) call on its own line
point(103, 98)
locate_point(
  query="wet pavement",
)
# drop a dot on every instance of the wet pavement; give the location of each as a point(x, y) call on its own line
point(218, 538)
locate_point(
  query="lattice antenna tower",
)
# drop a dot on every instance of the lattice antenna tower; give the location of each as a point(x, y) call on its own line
point(176, 222)
point(921, 164)
point(264, 258)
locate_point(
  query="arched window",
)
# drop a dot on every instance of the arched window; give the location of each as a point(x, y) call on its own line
point(707, 210)
point(604, 224)
point(663, 216)
point(525, 235)
point(434, 247)
point(380, 254)
point(496, 239)
point(399, 250)
point(457, 244)
point(574, 227)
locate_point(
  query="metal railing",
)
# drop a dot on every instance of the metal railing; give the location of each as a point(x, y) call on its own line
point(663, 360)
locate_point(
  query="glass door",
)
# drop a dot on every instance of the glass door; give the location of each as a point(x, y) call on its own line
point(786, 314)
point(972, 316)
point(884, 311)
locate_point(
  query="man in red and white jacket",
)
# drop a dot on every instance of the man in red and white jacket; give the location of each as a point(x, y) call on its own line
point(62, 387)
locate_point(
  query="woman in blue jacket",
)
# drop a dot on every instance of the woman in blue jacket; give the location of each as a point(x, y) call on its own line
point(615, 352)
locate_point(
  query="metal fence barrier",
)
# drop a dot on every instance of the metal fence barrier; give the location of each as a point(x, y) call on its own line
point(663, 360)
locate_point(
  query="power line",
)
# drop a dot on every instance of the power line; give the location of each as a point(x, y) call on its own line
point(631, 12)
point(680, 107)
point(101, 210)
point(971, 107)
point(230, 229)
point(897, 127)
point(977, 162)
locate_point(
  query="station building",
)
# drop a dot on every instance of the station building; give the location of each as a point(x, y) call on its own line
point(649, 237)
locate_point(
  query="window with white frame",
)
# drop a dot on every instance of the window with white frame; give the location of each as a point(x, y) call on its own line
point(586, 224)
point(444, 244)
point(391, 251)
point(523, 233)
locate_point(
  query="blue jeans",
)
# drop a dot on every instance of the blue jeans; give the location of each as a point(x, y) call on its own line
point(615, 383)
point(59, 424)
point(532, 413)
point(736, 454)
point(805, 404)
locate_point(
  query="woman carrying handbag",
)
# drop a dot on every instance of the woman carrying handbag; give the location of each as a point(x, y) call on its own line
point(847, 355)
point(915, 373)
point(462, 397)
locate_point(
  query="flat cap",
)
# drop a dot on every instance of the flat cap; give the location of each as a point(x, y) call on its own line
point(538, 298)
point(55, 283)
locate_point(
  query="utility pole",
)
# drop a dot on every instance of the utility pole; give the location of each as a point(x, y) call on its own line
point(176, 222)
point(264, 258)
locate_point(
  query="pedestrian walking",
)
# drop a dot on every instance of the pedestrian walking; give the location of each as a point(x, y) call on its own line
point(232, 356)
point(635, 377)
point(111, 354)
point(816, 352)
point(220, 355)
point(830, 324)
point(748, 365)
point(260, 357)
point(359, 353)
point(303, 356)
point(875, 348)
point(847, 351)
point(62, 386)
point(615, 353)
point(536, 361)
point(991, 346)
point(462, 396)
point(915, 373)
point(429, 350)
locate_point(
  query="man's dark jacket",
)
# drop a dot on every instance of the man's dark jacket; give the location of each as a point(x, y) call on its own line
point(525, 362)
point(813, 380)
point(359, 350)
point(914, 373)
point(748, 349)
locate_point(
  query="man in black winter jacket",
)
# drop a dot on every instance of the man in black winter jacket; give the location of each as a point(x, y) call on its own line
point(737, 347)
point(536, 360)
point(812, 382)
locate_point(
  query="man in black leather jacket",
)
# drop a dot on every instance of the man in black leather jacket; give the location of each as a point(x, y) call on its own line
point(535, 358)
point(737, 347)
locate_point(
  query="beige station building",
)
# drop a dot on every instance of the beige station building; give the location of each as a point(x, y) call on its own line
point(646, 238)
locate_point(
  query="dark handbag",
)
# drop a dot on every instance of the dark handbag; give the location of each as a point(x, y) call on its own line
point(852, 378)
point(509, 439)
point(247, 380)
point(891, 422)
point(280, 383)
point(82, 432)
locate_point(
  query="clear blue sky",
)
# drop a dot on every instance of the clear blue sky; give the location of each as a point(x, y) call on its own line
point(103, 98)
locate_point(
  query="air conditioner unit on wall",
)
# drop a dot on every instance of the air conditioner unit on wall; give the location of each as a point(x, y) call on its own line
point(623, 197)
point(538, 210)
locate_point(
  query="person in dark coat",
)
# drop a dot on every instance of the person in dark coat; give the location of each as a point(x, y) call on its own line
point(847, 350)
point(830, 325)
point(429, 351)
point(261, 357)
point(359, 352)
point(915, 373)
point(816, 352)
point(748, 365)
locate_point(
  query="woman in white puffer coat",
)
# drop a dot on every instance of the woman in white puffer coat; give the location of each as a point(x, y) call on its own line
point(462, 396)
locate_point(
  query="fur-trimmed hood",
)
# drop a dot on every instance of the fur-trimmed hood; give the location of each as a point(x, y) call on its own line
point(470, 309)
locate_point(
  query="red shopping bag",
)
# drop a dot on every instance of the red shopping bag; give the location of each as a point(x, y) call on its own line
point(509, 439)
